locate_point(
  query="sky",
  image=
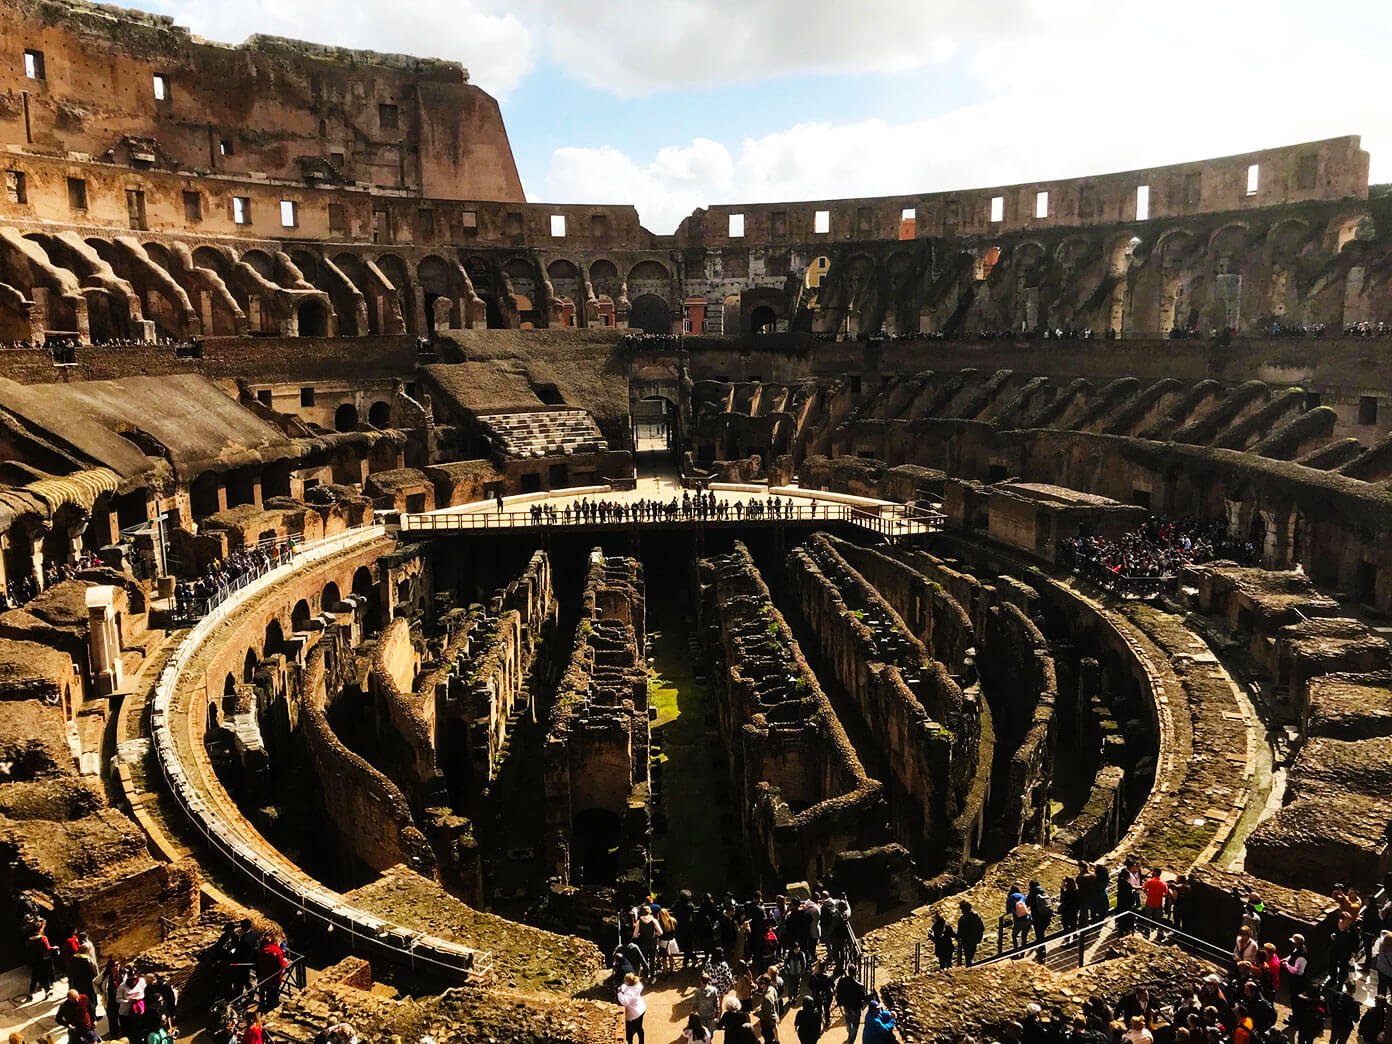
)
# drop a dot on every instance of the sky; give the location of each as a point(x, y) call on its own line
point(675, 104)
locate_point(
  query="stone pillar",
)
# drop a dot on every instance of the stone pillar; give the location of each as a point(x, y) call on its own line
point(75, 533)
point(104, 640)
point(36, 556)
point(4, 572)
point(221, 495)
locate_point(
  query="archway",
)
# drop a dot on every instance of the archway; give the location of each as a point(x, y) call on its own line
point(346, 417)
point(229, 684)
point(299, 616)
point(249, 665)
point(763, 320)
point(329, 598)
point(595, 835)
point(379, 414)
point(312, 318)
point(274, 640)
point(649, 313)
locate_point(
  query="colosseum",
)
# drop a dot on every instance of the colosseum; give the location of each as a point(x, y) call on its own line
point(422, 606)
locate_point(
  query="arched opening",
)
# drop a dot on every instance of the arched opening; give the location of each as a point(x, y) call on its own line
point(359, 279)
point(299, 616)
point(229, 684)
point(394, 269)
point(346, 417)
point(249, 664)
point(481, 276)
point(312, 318)
point(262, 263)
point(274, 640)
point(434, 276)
point(649, 313)
point(522, 276)
point(763, 320)
point(595, 855)
point(379, 414)
point(329, 598)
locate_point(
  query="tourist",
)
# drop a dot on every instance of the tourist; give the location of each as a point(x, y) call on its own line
point(794, 968)
point(944, 940)
point(879, 1024)
point(705, 1001)
point(82, 974)
point(40, 952)
point(735, 1024)
point(721, 974)
point(110, 982)
point(75, 1013)
point(1154, 893)
point(696, 1031)
point(253, 1033)
point(647, 930)
point(1270, 971)
point(808, 1022)
point(1245, 948)
point(1017, 908)
point(1069, 903)
point(1137, 1033)
point(1041, 910)
point(1295, 964)
point(971, 929)
point(271, 963)
point(1344, 1014)
point(630, 996)
point(1101, 904)
point(1382, 963)
point(823, 987)
point(850, 998)
point(768, 1007)
point(1252, 911)
point(1308, 1015)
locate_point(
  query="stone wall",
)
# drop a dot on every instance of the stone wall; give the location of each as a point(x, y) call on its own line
point(805, 795)
point(597, 733)
point(907, 702)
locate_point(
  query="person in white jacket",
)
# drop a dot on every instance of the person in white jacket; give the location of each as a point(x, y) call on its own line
point(631, 999)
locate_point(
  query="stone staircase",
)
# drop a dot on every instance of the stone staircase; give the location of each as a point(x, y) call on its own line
point(545, 433)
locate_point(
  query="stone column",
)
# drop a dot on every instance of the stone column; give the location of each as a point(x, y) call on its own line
point(104, 640)
point(76, 530)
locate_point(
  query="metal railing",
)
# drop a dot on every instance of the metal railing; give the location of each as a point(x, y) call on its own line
point(280, 879)
point(1075, 944)
point(892, 521)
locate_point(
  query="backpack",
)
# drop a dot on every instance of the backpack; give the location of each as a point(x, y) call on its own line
point(1042, 906)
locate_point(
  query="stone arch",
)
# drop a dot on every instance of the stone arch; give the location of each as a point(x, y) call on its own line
point(364, 583)
point(300, 615)
point(274, 639)
point(356, 272)
point(522, 274)
point(379, 414)
point(329, 598)
point(308, 265)
point(249, 664)
point(394, 268)
point(438, 281)
point(346, 417)
point(229, 684)
point(568, 288)
point(763, 319)
point(604, 277)
point(312, 318)
point(262, 263)
point(485, 286)
point(650, 314)
point(649, 277)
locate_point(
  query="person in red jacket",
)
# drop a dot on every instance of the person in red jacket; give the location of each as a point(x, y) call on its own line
point(76, 1014)
point(270, 971)
point(252, 1034)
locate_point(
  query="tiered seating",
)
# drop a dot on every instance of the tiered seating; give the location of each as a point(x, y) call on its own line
point(545, 433)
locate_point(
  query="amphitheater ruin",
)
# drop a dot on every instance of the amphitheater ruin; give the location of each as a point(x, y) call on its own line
point(424, 575)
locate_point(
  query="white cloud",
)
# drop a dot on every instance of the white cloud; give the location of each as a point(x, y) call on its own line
point(495, 45)
point(1141, 87)
point(632, 47)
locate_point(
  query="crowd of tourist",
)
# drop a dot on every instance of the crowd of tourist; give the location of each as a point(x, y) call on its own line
point(196, 597)
point(701, 505)
point(640, 339)
point(1365, 329)
point(24, 589)
point(754, 959)
point(1147, 561)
